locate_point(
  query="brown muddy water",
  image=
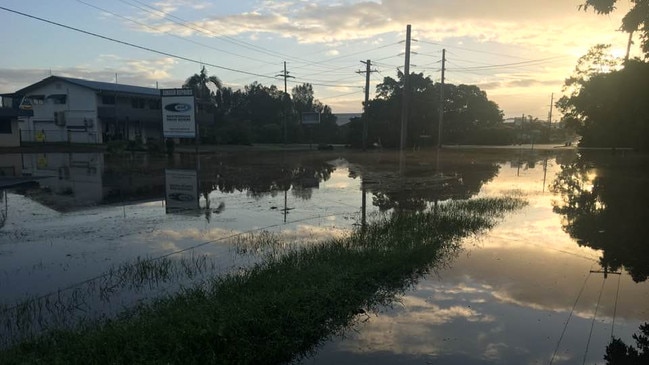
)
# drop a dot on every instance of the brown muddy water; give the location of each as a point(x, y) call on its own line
point(551, 283)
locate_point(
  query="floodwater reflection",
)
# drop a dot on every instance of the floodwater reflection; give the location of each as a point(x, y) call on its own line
point(604, 206)
point(505, 299)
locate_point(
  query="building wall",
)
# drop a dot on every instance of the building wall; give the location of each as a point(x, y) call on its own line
point(11, 139)
point(77, 117)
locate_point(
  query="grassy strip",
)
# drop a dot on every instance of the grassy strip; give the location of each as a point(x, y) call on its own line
point(279, 310)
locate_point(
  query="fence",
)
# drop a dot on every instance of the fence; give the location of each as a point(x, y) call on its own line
point(57, 136)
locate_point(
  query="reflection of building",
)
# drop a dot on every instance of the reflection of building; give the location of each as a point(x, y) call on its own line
point(82, 111)
point(66, 179)
point(10, 165)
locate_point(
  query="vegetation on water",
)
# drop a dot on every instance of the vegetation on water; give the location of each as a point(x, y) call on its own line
point(278, 310)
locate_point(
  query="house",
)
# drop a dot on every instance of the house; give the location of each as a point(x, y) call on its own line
point(9, 116)
point(346, 118)
point(81, 111)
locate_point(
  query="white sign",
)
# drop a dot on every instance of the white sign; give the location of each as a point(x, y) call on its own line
point(178, 114)
point(181, 190)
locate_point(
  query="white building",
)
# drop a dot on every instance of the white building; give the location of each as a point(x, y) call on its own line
point(81, 111)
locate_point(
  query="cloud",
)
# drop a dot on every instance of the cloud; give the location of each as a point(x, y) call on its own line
point(140, 72)
point(557, 23)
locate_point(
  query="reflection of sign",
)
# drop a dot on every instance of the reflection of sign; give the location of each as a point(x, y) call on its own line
point(310, 118)
point(178, 116)
point(41, 163)
point(181, 190)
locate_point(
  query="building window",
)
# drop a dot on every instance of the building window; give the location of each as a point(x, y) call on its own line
point(36, 99)
point(154, 104)
point(108, 99)
point(59, 99)
point(5, 126)
point(138, 103)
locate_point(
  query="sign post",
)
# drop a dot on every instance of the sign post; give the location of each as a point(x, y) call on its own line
point(178, 113)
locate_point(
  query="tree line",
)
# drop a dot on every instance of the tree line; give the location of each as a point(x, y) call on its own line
point(258, 113)
point(266, 114)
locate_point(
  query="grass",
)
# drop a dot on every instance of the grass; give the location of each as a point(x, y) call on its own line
point(279, 310)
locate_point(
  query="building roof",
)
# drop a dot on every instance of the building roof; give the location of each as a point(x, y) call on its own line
point(346, 118)
point(98, 86)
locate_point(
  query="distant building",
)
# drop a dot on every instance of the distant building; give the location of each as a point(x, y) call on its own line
point(346, 118)
point(81, 111)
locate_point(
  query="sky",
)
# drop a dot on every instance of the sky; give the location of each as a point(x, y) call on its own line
point(518, 51)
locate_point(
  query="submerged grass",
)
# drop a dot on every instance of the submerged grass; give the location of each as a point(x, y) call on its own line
point(278, 310)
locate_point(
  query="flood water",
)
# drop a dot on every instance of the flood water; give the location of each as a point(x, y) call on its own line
point(549, 284)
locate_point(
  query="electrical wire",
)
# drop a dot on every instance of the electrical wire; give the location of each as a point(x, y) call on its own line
point(592, 325)
point(148, 49)
point(569, 317)
point(167, 33)
point(617, 294)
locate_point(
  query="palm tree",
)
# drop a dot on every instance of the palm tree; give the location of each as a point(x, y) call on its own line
point(200, 83)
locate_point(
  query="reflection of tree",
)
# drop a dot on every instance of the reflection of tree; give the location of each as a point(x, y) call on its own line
point(604, 205)
point(265, 176)
point(421, 183)
point(619, 353)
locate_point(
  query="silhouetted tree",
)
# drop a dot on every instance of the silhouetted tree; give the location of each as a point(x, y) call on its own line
point(467, 109)
point(607, 104)
point(619, 353)
point(636, 20)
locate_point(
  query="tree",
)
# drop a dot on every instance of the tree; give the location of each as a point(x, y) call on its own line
point(619, 353)
point(609, 109)
point(636, 20)
point(467, 109)
point(606, 100)
point(201, 82)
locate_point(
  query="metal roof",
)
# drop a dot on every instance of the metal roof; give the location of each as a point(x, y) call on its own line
point(102, 87)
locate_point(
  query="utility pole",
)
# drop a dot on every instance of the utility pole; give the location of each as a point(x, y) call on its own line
point(441, 102)
point(368, 70)
point(628, 46)
point(406, 91)
point(551, 106)
point(285, 75)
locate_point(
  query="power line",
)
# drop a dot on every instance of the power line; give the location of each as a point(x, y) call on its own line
point(148, 49)
point(617, 294)
point(569, 317)
point(590, 335)
point(502, 65)
point(167, 33)
point(471, 50)
point(183, 23)
point(133, 44)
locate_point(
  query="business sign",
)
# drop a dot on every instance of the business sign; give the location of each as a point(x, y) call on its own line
point(181, 190)
point(178, 114)
point(310, 118)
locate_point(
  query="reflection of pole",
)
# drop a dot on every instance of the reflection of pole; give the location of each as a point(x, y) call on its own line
point(285, 206)
point(545, 172)
point(364, 206)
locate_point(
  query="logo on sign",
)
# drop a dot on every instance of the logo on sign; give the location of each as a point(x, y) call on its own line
point(178, 107)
